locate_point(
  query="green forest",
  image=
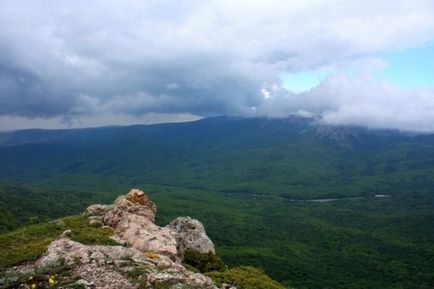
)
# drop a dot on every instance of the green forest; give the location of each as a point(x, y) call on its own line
point(313, 206)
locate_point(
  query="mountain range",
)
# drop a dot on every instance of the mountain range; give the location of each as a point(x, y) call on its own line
point(316, 206)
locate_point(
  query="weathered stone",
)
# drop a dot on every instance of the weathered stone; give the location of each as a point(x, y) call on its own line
point(118, 240)
point(190, 234)
point(123, 207)
point(104, 267)
point(98, 210)
point(85, 284)
point(132, 219)
point(66, 234)
point(71, 252)
point(140, 233)
point(95, 221)
point(138, 196)
point(155, 250)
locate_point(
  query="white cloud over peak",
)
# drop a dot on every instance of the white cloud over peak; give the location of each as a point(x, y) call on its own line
point(84, 59)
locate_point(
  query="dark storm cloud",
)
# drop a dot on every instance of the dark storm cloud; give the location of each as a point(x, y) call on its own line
point(79, 59)
point(23, 93)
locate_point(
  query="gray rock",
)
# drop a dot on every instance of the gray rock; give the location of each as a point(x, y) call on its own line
point(134, 203)
point(95, 221)
point(132, 219)
point(156, 251)
point(190, 234)
point(85, 284)
point(104, 267)
point(98, 210)
point(66, 234)
point(118, 240)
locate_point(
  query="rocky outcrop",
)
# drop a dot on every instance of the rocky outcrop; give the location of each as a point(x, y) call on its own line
point(150, 256)
point(190, 234)
point(98, 210)
point(96, 213)
point(110, 267)
point(134, 203)
point(132, 219)
point(140, 233)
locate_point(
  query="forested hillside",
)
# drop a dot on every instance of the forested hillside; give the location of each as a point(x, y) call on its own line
point(315, 206)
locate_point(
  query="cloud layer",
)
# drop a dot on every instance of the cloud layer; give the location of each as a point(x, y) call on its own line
point(88, 59)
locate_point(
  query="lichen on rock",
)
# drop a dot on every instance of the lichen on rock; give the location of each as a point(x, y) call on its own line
point(132, 219)
point(190, 234)
point(149, 256)
point(112, 266)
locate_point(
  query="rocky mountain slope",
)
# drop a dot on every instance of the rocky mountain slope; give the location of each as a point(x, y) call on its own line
point(145, 255)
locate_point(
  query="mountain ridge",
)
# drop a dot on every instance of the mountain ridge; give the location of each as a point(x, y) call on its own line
point(17, 134)
point(240, 176)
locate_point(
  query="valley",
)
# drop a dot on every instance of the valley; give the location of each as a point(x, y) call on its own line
point(315, 207)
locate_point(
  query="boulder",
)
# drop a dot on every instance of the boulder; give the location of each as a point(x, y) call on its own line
point(142, 234)
point(190, 234)
point(138, 196)
point(132, 219)
point(135, 203)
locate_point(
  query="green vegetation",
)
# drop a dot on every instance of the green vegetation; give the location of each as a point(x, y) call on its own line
point(45, 277)
point(364, 243)
point(138, 276)
point(245, 278)
point(29, 243)
point(22, 206)
point(242, 277)
point(203, 262)
point(246, 180)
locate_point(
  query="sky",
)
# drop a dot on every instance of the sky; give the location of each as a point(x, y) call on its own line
point(68, 64)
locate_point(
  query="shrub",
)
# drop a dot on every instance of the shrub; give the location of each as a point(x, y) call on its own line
point(203, 262)
point(245, 278)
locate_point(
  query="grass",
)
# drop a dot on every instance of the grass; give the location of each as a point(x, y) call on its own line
point(138, 276)
point(29, 243)
point(245, 277)
point(56, 274)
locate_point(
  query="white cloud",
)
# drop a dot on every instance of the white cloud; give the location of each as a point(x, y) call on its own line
point(357, 100)
point(78, 59)
point(9, 123)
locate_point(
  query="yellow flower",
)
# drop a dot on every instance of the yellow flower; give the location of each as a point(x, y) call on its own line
point(33, 286)
point(51, 281)
point(152, 255)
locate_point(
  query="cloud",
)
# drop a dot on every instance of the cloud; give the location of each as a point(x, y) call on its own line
point(82, 60)
point(357, 100)
point(11, 123)
point(380, 105)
